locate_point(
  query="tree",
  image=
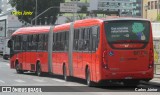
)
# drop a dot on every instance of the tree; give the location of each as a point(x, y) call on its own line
point(84, 9)
point(158, 17)
point(42, 5)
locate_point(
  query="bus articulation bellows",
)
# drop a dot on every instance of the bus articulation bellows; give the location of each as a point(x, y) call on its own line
point(93, 49)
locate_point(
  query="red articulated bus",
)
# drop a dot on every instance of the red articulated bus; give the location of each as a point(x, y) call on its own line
point(119, 49)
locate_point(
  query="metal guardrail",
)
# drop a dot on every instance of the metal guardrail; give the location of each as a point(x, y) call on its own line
point(157, 69)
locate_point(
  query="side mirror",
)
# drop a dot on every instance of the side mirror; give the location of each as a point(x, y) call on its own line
point(10, 43)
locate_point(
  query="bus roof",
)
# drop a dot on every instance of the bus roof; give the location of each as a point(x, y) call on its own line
point(31, 30)
point(66, 26)
point(125, 18)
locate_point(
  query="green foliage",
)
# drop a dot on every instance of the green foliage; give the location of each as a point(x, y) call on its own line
point(158, 17)
point(84, 9)
point(30, 5)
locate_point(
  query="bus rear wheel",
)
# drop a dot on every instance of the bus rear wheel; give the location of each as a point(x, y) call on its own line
point(5, 57)
point(18, 70)
point(88, 78)
point(65, 77)
point(38, 69)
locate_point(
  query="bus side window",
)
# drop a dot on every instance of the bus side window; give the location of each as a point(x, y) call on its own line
point(40, 43)
point(24, 42)
point(46, 42)
point(54, 41)
point(66, 42)
point(34, 42)
point(13, 39)
point(95, 37)
point(61, 41)
point(75, 41)
point(29, 42)
point(80, 40)
point(17, 43)
point(86, 39)
point(90, 39)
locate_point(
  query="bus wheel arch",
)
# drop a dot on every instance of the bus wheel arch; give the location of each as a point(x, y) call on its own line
point(38, 68)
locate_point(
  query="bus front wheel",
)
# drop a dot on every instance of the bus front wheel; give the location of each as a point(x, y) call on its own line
point(88, 78)
point(65, 73)
point(18, 70)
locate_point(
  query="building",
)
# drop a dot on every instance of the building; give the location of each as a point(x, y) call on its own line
point(151, 9)
point(80, 3)
point(124, 7)
point(84, 1)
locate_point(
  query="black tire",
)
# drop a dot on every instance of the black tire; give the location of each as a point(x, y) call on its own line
point(18, 70)
point(5, 57)
point(131, 83)
point(38, 70)
point(88, 78)
point(65, 77)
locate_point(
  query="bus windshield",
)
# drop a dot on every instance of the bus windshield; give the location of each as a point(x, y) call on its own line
point(129, 31)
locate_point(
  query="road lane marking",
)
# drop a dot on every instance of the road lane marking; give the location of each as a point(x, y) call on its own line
point(58, 80)
point(7, 64)
point(38, 80)
point(2, 81)
point(20, 81)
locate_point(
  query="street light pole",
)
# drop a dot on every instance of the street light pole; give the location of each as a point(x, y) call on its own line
point(146, 8)
point(75, 13)
point(41, 14)
point(36, 14)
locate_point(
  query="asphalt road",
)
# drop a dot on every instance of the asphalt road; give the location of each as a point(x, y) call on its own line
point(9, 77)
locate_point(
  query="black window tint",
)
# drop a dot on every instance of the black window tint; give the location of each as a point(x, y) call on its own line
point(63, 41)
point(40, 43)
point(17, 42)
point(86, 39)
point(66, 41)
point(80, 40)
point(29, 42)
point(24, 42)
point(46, 42)
point(76, 38)
point(34, 42)
point(54, 41)
point(58, 42)
point(95, 37)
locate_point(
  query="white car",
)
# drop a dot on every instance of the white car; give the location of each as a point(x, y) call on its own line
point(6, 50)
